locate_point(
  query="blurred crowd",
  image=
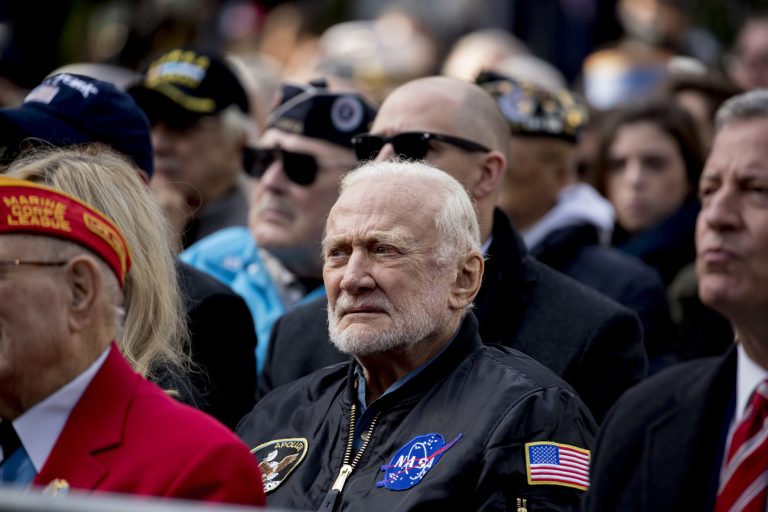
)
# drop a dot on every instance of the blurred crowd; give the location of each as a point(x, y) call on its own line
point(580, 131)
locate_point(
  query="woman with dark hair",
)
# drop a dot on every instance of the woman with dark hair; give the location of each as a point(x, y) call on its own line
point(649, 158)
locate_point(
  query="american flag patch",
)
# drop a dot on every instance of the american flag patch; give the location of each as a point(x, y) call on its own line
point(549, 463)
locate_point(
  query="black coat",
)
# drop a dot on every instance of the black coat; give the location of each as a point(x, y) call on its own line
point(223, 344)
point(660, 449)
point(587, 339)
point(576, 252)
point(485, 402)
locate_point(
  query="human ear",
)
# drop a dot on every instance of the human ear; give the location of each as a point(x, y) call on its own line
point(469, 275)
point(84, 281)
point(493, 166)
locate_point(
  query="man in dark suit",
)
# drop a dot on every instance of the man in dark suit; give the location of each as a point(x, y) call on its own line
point(72, 411)
point(587, 339)
point(676, 442)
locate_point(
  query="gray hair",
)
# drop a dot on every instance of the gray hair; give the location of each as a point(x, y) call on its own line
point(456, 222)
point(743, 107)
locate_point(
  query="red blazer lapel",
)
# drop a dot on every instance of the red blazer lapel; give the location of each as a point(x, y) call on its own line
point(95, 425)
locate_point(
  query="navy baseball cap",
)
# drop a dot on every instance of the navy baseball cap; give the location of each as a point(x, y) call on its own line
point(313, 111)
point(67, 109)
point(183, 84)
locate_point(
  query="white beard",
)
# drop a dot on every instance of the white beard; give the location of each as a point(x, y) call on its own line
point(421, 316)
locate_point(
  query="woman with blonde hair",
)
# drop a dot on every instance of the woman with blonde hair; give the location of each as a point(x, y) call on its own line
point(154, 335)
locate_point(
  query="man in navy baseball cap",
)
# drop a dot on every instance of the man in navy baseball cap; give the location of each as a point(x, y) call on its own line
point(67, 109)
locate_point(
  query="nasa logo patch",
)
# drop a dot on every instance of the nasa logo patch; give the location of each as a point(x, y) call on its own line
point(278, 458)
point(346, 114)
point(412, 462)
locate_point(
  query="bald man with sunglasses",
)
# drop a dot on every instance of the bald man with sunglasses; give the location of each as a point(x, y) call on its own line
point(276, 261)
point(592, 342)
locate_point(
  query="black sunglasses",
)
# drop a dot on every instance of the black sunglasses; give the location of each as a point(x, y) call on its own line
point(413, 145)
point(300, 168)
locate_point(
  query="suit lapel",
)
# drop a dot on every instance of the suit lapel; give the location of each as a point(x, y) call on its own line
point(95, 425)
point(684, 446)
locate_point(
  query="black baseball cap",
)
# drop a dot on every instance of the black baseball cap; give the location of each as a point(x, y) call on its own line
point(68, 109)
point(183, 84)
point(314, 111)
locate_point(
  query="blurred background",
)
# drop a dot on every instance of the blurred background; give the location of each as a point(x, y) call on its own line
point(606, 49)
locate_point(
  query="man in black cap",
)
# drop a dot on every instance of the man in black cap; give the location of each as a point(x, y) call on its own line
point(300, 160)
point(200, 127)
point(564, 222)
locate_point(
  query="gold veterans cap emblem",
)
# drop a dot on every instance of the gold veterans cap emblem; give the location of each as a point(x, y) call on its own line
point(278, 458)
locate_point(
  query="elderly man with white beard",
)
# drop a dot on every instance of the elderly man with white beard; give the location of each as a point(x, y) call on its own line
point(424, 414)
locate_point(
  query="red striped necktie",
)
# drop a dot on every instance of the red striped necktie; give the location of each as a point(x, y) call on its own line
point(745, 479)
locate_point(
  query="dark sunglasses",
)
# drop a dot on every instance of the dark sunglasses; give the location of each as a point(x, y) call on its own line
point(300, 168)
point(413, 145)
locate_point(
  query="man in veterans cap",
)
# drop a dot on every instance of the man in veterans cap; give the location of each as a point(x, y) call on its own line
point(564, 222)
point(68, 109)
point(425, 417)
point(200, 120)
point(299, 162)
point(73, 414)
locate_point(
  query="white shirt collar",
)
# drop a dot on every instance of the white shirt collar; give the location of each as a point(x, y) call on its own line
point(749, 375)
point(39, 427)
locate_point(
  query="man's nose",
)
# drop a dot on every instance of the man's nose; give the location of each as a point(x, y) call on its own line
point(387, 153)
point(357, 274)
point(721, 210)
point(274, 177)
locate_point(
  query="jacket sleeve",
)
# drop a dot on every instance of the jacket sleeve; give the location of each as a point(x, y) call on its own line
point(225, 472)
point(552, 415)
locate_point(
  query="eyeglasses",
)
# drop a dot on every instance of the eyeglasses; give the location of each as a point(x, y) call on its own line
point(18, 263)
point(413, 145)
point(300, 168)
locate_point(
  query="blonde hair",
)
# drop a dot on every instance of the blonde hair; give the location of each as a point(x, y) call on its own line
point(155, 331)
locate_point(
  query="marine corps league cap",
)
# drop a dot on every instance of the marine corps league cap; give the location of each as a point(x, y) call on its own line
point(534, 110)
point(313, 111)
point(67, 109)
point(183, 84)
point(27, 207)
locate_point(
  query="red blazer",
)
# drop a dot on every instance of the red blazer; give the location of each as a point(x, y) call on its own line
point(126, 435)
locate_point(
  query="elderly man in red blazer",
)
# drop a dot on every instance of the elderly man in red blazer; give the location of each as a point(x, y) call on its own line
point(73, 413)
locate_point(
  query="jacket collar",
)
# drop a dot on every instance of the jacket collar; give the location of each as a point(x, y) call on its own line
point(466, 342)
point(96, 424)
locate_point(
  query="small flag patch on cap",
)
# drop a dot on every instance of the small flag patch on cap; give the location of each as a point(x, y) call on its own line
point(548, 463)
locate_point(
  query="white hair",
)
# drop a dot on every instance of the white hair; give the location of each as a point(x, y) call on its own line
point(456, 222)
point(743, 107)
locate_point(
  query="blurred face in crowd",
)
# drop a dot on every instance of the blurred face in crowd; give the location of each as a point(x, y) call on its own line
point(535, 176)
point(287, 218)
point(201, 160)
point(748, 65)
point(385, 288)
point(646, 178)
point(732, 228)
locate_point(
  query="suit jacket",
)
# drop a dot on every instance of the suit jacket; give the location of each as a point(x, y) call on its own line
point(125, 435)
point(575, 250)
point(589, 340)
point(660, 448)
point(223, 345)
